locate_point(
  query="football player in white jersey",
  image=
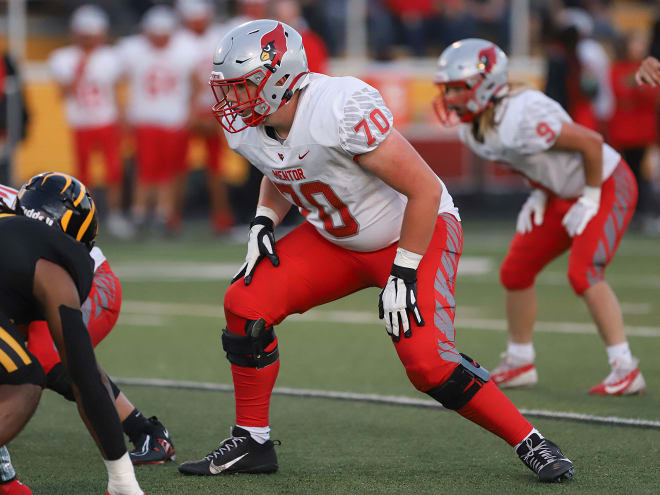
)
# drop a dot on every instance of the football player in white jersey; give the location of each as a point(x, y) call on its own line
point(87, 73)
point(582, 200)
point(199, 28)
point(160, 70)
point(376, 216)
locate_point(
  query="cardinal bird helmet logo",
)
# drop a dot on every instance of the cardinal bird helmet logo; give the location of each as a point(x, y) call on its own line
point(273, 46)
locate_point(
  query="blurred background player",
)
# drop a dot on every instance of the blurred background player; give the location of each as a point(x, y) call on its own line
point(633, 129)
point(583, 199)
point(200, 30)
point(328, 146)
point(160, 69)
point(47, 272)
point(12, 107)
point(87, 73)
point(578, 73)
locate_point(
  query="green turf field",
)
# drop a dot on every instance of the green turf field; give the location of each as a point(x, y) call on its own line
point(169, 329)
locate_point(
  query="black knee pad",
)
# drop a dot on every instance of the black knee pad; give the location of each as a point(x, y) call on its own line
point(18, 366)
point(466, 380)
point(248, 350)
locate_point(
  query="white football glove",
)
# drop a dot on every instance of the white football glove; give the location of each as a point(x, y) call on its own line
point(261, 244)
point(582, 211)
point(535, 205)
point(399, 296)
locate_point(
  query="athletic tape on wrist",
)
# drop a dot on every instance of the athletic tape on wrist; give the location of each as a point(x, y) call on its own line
point(267, 212)
point(592, 193)
point(407, 259)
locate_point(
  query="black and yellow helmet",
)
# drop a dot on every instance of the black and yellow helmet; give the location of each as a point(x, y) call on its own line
point(62, 200)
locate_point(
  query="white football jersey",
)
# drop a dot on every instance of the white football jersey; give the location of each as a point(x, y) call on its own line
point(92, 102)
point(205, 45)
point(528, 124)
point(8, 195)
point(160, 80)
point(337, 119)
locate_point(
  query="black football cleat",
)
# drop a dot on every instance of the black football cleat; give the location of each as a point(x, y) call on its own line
point(546, 459)
point(239, 453)
point(153, 446)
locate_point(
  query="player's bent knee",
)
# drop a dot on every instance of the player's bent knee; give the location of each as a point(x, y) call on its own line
point(580, 282)
point(256, 349)
point(515, 279)
point(466, 380)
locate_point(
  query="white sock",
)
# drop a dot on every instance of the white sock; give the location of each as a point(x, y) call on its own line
point(534, 430)
point(523, 353)
point(121, 477)
point(259, 434)
point(619, 353)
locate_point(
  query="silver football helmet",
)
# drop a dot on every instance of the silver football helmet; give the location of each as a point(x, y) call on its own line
point(470, 74)
point(257, 67)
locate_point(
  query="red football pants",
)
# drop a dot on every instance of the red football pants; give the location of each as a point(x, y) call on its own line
point(100, 312)
point(590, 252)
point(107, 140)
point(161, 153)
point(302, 281)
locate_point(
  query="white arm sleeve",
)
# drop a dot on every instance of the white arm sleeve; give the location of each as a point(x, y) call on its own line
point(365, 123)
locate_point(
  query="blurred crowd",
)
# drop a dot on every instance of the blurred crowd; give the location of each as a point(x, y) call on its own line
point(141, 68)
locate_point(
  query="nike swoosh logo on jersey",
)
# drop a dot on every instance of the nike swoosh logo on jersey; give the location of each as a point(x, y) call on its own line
point(223, 467)
point(300, 157)
point(244, 60)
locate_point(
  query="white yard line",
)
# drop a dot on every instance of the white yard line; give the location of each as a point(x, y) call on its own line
point(150, 271)
point(156, 309)
point(386, 399)
point(475, 269)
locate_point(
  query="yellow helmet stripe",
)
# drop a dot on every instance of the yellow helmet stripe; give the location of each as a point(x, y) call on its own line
point(85, 224)
point(68, 183)
point(53, 174)
point(65, 219)
point(80, 197)
point(7, 362)
point(4, 335)
point(3, 215)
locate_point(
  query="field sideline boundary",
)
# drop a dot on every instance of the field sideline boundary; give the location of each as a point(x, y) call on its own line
point(388, 400)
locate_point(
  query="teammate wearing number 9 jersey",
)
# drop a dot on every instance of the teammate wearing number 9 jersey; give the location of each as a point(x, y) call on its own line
point(376, 216)
point(582, 200)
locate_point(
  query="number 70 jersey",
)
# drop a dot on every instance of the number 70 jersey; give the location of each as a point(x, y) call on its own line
point(316, 169)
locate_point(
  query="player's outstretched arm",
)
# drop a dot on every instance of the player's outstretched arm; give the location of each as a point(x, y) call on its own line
point(58, 295)
point(575, 137)
point(649, 72)
point(397, 163)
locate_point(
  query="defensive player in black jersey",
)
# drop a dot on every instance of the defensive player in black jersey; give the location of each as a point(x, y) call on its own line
point(45, 274)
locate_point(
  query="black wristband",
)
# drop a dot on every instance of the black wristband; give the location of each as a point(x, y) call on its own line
point(263, 220)
point(406, 274)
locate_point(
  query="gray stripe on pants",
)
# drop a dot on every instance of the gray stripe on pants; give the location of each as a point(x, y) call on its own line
point(610, 233)
point(441, 286)
point(443, 322)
